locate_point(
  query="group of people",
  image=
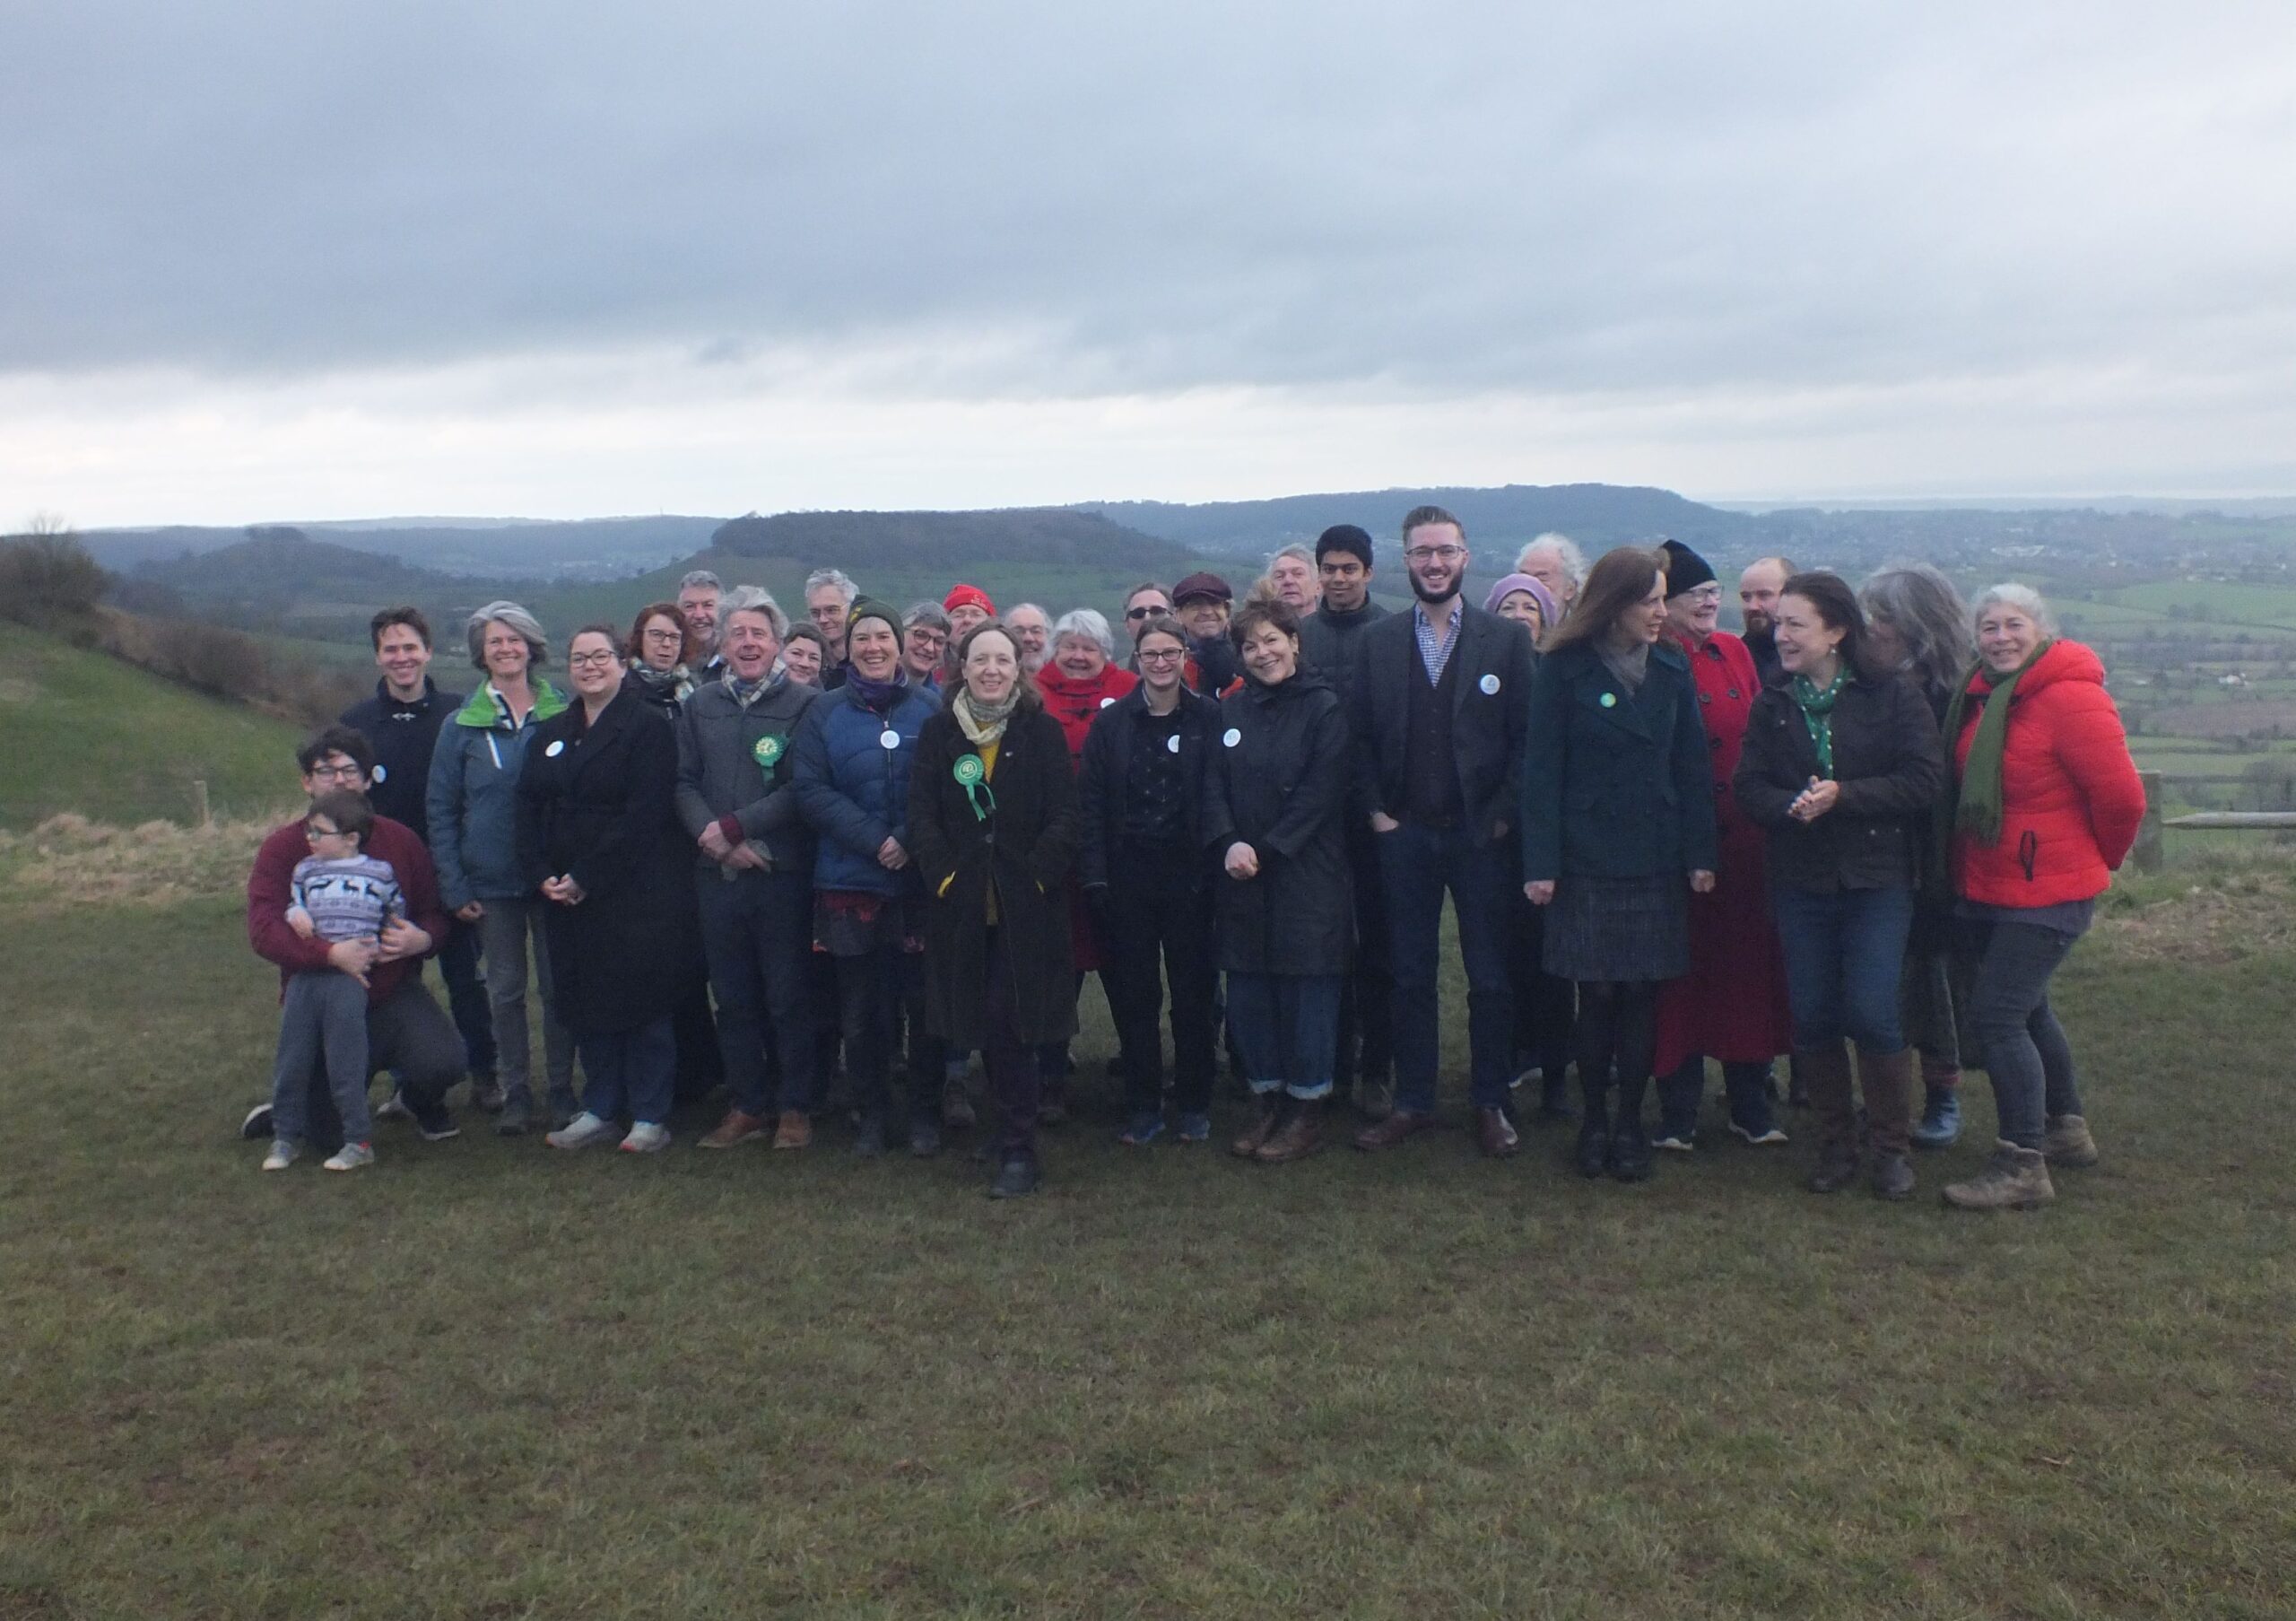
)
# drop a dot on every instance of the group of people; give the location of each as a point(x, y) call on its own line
point(742, 849)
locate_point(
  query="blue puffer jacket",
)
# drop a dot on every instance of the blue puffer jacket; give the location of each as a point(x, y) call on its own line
point(854, 789)
point(474, 797)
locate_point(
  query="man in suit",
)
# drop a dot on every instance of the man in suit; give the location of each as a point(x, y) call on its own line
point(1440, 700)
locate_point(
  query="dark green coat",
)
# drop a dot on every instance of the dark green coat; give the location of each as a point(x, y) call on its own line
point(1615, 785)
point(1025, 847)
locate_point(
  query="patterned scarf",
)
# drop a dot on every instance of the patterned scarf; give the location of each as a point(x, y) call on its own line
point(1817, 714)
point(983, 724)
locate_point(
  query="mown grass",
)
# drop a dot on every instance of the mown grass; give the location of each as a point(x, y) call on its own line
point(81, 731)
point(486, 1381)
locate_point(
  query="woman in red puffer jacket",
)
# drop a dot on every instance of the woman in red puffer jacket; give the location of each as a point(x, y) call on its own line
point(2045, 805)
point(1080, 680)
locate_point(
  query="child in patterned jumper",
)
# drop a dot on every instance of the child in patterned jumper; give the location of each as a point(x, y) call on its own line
point(339, 893)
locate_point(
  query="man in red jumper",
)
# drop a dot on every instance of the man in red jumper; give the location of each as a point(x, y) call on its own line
point(407, 1031)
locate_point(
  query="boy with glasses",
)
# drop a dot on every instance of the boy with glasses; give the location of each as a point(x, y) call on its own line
point(337, 893)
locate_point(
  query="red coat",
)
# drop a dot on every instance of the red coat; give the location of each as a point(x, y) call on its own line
point(2069, 796)
point(1732, 1005)
point(267, 902)
point(1076, 705)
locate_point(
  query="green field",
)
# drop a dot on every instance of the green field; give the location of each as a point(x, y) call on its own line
point(82, 731)
point(2226, 602)
point(483, 1379)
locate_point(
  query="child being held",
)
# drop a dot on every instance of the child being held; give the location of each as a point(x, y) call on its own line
point(338, 893)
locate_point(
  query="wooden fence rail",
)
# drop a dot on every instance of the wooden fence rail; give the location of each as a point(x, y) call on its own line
point(2151, 841)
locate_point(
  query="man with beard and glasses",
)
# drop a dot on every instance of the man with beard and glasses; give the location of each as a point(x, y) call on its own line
point(1440, 703)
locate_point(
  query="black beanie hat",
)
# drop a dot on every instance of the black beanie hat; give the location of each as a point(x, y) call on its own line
point(869, 607)
point(1686, 570)
point(1344, 537)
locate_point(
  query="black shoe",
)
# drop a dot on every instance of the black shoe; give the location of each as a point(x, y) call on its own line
point(434, 1123)
point(256, 1126)
point(1837, 1169)
point(514, 1118)
point(1017, 1180)
point(1631, 1152)
point(869, 1137)
point(923, 1140)
point(1594, 1147)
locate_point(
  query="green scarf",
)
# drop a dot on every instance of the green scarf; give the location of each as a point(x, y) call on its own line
point(1977, 807)
point(1817, 714)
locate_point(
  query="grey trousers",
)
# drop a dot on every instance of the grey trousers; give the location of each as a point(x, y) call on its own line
point(322, 1019)
point(503, 932)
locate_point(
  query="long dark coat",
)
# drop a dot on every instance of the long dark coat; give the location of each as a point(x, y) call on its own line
point(596, 803)
point(1025, 847)
point(1277, 780)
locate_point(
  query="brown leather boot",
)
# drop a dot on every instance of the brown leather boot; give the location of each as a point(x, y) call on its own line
point(1299, 1134)
point(1263, 1127)
point(1886, 1078)
point(1825, 1072)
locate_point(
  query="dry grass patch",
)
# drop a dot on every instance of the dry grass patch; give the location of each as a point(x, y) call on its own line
point(69, 861)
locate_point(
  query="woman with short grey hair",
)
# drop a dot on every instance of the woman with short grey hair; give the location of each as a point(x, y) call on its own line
point(472, 804)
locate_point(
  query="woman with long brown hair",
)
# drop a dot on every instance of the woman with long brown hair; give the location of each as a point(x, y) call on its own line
point(1618, 829)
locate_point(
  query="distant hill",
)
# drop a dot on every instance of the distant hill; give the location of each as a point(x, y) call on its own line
point(1039, 535)
point(88, 732)
point(1596, 516)
point(280, 579)
point(505, 548)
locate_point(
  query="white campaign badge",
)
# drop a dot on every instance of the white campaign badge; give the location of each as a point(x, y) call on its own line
point(1106, 701)
point(1230, 738)
point(556, 749)
point(1172, 744)
point(1490, 685)
point(888, 740)
point(380, 773)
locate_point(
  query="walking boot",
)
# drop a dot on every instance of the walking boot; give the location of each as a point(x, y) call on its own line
point(1824, 1073)
point(1629, 1156)
point(2068, 1142)
point(1269, 1108)
point(2014, 1179)
point(1593, 1156)
point(1299, 1135)
point(1886, 1078)
point(1941, 1118)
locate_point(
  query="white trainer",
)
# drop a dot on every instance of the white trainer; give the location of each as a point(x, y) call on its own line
point(581, 1132)
point(646, 1138)
point(282, 1156)
point(351, 1156)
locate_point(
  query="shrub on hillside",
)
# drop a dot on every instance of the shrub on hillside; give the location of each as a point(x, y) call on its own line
point(49, 581)
point(226, 663)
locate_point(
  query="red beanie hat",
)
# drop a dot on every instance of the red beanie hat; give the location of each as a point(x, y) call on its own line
point(972, 595)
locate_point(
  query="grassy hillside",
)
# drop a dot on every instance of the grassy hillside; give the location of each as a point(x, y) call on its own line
point(487, 1380)
point(81, 731)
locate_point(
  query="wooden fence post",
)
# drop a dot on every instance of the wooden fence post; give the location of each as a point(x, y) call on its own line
point(2151, 841)
point(199, 813)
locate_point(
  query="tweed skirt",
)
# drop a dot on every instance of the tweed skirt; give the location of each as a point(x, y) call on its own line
point(1619, 929)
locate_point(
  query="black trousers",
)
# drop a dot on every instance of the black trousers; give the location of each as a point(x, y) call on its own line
point(1367, 995)
point(1159, 931)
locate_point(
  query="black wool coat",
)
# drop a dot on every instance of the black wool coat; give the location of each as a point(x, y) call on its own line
point(1890, 765)
point(1615, 784)
point(1277, 780)
point(595, 803)
point(1024, 849)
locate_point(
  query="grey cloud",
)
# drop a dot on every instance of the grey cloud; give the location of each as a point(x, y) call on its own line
point(1462, 196)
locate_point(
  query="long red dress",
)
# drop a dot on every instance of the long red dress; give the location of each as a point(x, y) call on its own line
point(1075, 704)
point(1733, 1006)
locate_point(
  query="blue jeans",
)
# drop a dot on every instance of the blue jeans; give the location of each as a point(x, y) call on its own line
point(1416, 864)
point(322, 1016)
point(1287, 1028)
point(632, 1072)
point(2025, 1051)
point(758, 932)
point(1845, 953)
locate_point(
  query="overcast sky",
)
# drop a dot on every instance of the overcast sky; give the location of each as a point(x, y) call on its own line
point(316, 259)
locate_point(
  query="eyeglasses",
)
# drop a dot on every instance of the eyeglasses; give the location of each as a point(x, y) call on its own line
point(1435, 554)
point(665, 635)
point(1161, 656)
point(1705, 593)
point(349, 771)
point(588, 661)
point(1147, 613)
point(314, 833)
